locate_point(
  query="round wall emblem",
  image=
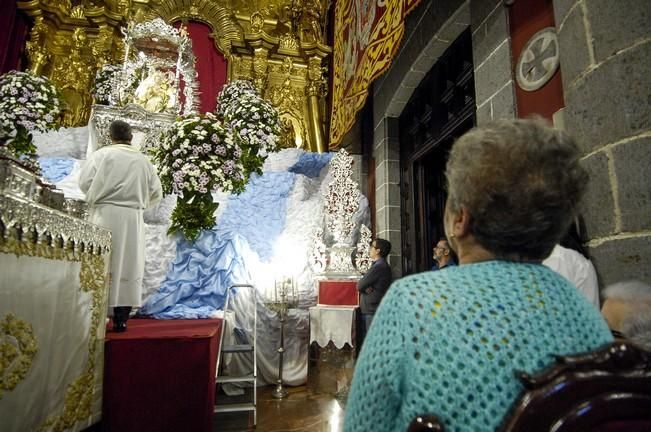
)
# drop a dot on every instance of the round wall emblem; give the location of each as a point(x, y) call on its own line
point(539, 60)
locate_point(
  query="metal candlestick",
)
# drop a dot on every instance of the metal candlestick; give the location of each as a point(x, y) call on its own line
point(284, 301)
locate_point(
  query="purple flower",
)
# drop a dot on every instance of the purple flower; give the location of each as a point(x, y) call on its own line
point(220, 150)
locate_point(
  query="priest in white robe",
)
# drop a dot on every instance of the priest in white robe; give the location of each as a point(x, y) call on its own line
point(120, 183)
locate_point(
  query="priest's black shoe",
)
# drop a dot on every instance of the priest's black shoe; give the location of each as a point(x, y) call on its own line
point(119, 326)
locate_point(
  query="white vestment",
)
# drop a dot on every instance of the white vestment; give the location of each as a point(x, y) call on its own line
point(577, 269)
point(120, 183)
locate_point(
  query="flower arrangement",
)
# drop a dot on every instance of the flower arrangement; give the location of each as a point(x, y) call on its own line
point(28, 103)
point(232, 92)
point(197, 155)
point(255, 120)
point(105, 81)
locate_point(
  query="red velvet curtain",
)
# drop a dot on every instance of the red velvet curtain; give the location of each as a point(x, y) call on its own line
point(211, 66)
point(15, 28)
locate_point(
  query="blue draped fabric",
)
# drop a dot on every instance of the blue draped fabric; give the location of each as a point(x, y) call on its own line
point(311, 164)
point(55, 169)
point(258, 214)
point(196, 283)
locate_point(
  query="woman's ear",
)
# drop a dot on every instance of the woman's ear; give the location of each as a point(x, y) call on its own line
point(459, 222)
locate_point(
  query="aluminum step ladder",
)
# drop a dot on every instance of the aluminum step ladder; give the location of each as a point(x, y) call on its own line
point(239, 349)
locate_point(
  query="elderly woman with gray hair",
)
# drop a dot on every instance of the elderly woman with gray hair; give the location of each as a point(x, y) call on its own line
point(627, 309)
point(448, 342)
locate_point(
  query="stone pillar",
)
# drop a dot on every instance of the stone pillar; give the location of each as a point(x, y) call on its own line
point(491, 46)
point(605, 49)
point(386, 152)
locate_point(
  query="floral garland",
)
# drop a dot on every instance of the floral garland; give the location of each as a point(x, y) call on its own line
point(255, 119)
point(28, 103)
point(232, 92)
point(197, 155)
point(105, 81)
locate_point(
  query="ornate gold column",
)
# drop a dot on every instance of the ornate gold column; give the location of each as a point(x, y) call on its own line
point(68, 43)
point(316, 89)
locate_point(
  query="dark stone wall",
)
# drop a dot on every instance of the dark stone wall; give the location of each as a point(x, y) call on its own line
point(605, 62)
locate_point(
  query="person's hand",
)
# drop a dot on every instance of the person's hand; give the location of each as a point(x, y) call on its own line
point(369, 290)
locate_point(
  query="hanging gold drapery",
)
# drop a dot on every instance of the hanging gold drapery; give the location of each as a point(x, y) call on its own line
point(367, 37)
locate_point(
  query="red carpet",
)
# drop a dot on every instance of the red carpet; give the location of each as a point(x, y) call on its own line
point(160, 376)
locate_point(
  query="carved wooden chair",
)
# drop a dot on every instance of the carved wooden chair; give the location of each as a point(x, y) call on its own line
point(602, 391)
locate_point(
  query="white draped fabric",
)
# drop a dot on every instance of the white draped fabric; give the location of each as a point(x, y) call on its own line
point(334, 324)
point(55, 313)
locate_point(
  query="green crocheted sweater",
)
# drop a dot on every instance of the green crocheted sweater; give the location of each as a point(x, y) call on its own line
point(447, 343)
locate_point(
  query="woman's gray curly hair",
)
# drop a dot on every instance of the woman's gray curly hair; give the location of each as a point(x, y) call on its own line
point(521, 182)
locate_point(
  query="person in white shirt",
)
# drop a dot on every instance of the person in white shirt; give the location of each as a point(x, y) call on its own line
point(577, 269)
point(120, 183)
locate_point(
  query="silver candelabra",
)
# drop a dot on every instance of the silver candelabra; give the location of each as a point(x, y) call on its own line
point(285, 298)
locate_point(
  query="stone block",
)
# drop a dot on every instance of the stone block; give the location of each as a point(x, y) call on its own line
point(395, 108)
point(380, 151)
point(631, 161)
point(411, 81)
point(394, 212)
point(491, 76)
point(484, 113)
point(435, 49)
point(381, 173)
point(573, 43)
point(612, 101)
point(597, 207)
point(381, 218)
point(424, 62)
point(490, 35)
point(402, 94)
point(616, 25)
point(480, 9)
point(442, 13)
point(503, 103)
point(386, 193)
point(561, 8)
point(393, 173)
point(623, 259)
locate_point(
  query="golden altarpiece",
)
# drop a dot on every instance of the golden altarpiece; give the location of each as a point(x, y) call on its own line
point(278, 44)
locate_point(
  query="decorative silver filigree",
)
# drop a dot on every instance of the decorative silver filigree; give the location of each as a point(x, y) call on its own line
point(342, 200)
point(23, 220)
point(341, 260)
point(15, 180)
point(363, 259)
point(150, 124)
point(318, 255)
point(138, 65)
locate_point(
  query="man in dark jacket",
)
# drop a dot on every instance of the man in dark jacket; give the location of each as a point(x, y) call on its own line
point(375, 282)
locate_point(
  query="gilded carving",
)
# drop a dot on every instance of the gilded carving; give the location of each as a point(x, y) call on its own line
point(29, 229)
point(79, 394)
point(257, 22)
point(73, 76)
point(18, 347)
point(36, 50)
point(255, 37)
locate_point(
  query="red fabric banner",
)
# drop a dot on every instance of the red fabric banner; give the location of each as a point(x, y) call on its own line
point(367, 37)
